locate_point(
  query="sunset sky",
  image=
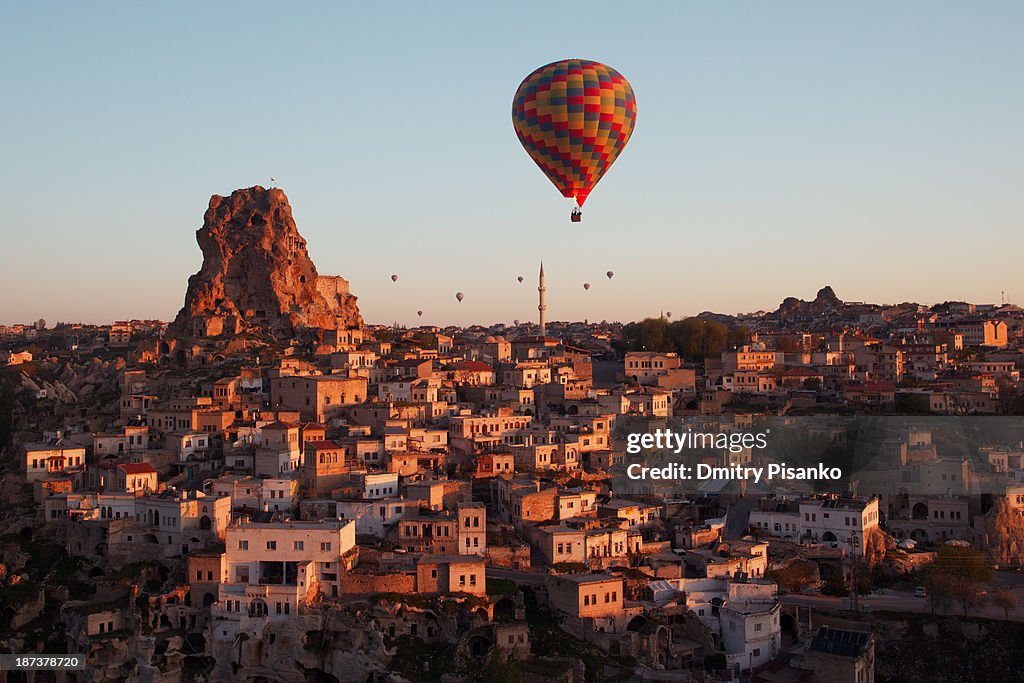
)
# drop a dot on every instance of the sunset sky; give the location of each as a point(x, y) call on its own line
point(779, 147)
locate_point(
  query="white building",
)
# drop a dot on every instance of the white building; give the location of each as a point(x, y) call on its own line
point(751, 631)
point(273, 567)
point(837, 521)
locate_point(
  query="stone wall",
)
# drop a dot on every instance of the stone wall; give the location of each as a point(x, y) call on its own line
point(377, 583)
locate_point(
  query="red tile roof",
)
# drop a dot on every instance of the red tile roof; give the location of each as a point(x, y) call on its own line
point(137, 468)
point(473, 366)
point(326, 444)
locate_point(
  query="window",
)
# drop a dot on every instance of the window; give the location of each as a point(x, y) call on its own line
point(325, 545)
point(271, 545)
point(757, 627)
point(757, 652)
point(298, 545)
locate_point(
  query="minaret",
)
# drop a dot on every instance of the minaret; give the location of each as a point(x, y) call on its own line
point(541, 307)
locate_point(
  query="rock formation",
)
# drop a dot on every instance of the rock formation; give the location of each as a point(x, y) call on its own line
point(257, 276)
point(825, 302)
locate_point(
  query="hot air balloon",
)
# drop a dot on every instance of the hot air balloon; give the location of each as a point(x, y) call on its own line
point(586, 285)
point(668, 314)
point(610, 274)
point(520, 278)
point(419, 313)
point(574, 118)
point(460, 296)
point(516, 323)
point(394, 278)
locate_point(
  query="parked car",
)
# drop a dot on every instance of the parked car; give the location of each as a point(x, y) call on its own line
point(920, 592)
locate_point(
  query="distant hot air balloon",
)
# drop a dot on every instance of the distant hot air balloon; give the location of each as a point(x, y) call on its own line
point(394, 278)
point(610, 274)
point(460, 296)
point(586, 285)
point(668, 314)
point(419, 313)
point(516, 323)
point(574, 118)
point(520, 278)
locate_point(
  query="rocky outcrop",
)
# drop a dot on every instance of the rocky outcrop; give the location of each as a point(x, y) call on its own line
point(257, 275)
point(824, 302)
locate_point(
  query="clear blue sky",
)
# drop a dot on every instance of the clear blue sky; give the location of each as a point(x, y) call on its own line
point(779, 147)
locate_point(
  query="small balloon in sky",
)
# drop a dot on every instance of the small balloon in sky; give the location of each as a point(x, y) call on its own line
point(419, 313)
point(668, 314)
point(460, 296)
point(586, 285)
point(520, 278)
point(394, 278)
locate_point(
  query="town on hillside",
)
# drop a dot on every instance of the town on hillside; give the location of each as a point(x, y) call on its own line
point(271, 489)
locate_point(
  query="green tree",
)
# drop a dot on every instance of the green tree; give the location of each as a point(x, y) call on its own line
point(691, 338)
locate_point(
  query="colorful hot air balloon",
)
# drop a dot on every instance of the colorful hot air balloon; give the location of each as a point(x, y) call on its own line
point(520, 278)
point(610, 274)
point(586, 285)
point(394, 278)
point(574, 118)
point(460, 296)
point(419, 313)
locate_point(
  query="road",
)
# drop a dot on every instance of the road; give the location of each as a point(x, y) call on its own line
point(889, 600)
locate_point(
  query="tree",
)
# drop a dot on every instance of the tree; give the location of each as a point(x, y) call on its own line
point(939, 591)
point(795, 576)
point(967, 592)
point(691, 338)
point(963, 563)
point(1006, 601)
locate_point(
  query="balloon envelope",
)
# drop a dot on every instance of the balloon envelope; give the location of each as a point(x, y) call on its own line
point(610, 274)
point(394, 278)
point(515, 322)
point(419, 313)
point(520, 278)
point(574, 118)
point(586, 285)
point(460, 296)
